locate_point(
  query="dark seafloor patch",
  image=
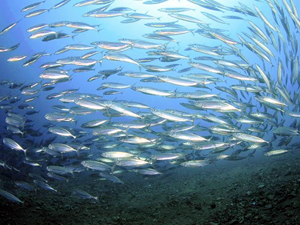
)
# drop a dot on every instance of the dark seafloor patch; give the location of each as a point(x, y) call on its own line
point(264, 191)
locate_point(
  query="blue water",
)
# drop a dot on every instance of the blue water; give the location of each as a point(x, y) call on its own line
point(112, 30)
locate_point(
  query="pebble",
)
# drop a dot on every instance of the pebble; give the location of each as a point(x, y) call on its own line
point(269, 206)
point(271, 197)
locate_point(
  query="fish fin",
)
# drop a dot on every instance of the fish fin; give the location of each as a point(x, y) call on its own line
point(22, 133)
point(76, 121)
point(25, 151)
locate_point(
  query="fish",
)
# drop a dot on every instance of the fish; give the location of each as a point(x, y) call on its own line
point(115, 85)
point(116, 155)
point(122, 9)
point(12, 48)
point(175, 9)
point(214, 18)
point(286, 131)
point(112, 46)
point(13, 145)
point(152, 91)
point(36, 13)
point(160, 24)
point(32, 6)
point(88, 2)
point(187, 136)
point(61, 148)
point(166, 156)
point(107, 14)
point(44, 185)
point(111, 178)
point(194, 163)
point(169, 116)
point(60, 4)
point(58, 117)
point(276, 152)
point(60, 170)
point(16, 58)
point(42, 33)
point(9, 27)
point(121, 58)
point(95, 165)
point(24, 185)
point(132, 163)
point(137, 140)
point(169, 32)
point(61, 132)
point(160, 37)
point(249, 138)
point(140, 16)
point(10, 196)
point(147, 172)
point(122, 109)
point(261, 15)
point(186, 18)
point(141, 44)
point(84, 195)
point(93, 123)
point(264, 76)
point(80, 47)
point(90, 104)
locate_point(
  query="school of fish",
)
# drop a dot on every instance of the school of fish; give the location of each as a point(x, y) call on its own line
point(238, 92)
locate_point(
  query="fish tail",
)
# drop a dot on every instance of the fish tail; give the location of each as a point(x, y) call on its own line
point(73, 36)
point(113, 167)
